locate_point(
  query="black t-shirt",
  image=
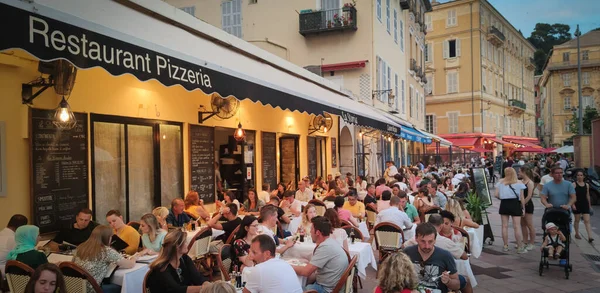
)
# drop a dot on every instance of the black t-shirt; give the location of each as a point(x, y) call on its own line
point(369, 199)
point(228, 227)
point(172, 282)
point(74, 236)
point(440, 261)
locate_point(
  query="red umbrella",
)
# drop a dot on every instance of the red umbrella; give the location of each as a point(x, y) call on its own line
point(530, 150)
point(549, 150)
point(480, 150)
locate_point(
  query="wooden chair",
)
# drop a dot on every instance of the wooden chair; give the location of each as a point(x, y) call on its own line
point(371, 216)
point(344, 285)
point(388, 239)
point(320, 206)
point(135, 225)
point(232, 235)
point(145, 284)
point(357, 233)
point(424, 213)
point(224, 261)
point(345, 223)
point(77, 279)
point(18, 275)
point(199, 250)
point(466, 240)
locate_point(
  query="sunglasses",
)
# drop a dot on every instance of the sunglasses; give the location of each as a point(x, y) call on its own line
point(422, 271)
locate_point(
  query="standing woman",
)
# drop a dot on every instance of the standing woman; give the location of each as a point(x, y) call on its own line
point(173, 270)
point(527, 221)
point(583, 205)
point(510, 192)
point(152, 235)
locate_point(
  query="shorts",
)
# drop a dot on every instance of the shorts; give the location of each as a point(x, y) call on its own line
point(510, 207)
point(529, 207)
point(463, 281)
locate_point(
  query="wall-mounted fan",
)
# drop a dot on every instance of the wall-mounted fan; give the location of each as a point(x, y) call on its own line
point(321, 123)
point(224, 108)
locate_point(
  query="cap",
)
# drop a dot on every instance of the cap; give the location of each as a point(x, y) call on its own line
point(550, 225)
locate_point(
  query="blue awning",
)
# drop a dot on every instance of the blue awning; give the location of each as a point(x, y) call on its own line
point(412, 134)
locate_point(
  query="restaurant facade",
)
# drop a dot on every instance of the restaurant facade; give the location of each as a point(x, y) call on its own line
point(154, 106)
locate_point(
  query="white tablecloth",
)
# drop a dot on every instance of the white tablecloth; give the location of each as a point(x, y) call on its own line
point(131, 280)
point(304, 250)
point(476, 238)
point(464, 268)
point(247, 270)
point(362, 226)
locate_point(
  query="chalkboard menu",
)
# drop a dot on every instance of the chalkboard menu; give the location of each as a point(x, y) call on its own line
point(481, 185)
point(312, 157)
point(333, 153)
point(289, 159)
point(59, 176)
point(269, 159)
point(202, 158)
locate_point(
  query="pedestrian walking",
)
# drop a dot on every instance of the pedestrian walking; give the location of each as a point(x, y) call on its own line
point(510, 192)
point(527, 221)
point(582, 206)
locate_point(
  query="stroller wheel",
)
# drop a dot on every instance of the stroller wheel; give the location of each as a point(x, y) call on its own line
point(567, 274)
point(570, 267)
point(541, 267)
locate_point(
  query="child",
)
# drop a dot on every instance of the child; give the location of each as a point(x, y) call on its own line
point(554, 241)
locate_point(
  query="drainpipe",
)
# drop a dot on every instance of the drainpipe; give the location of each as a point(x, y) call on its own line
point(472, 72)
point(480, 69)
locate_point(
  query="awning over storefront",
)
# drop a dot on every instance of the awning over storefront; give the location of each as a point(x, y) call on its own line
point(502, 142)
point(173, 48)
point(412, 134)
point(470, 141)
point(437, 138)
point(524, 141)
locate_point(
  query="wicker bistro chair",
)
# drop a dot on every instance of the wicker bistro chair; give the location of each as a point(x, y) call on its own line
point(320, 206)
point(357, 233)
point(388, 239)
point(371, 216)
point(232, 236)
point(225, 261)
point(466, 240)
point(426, 212)
point(199, 250)
point(76, 278)
point(344, 285)
point(135, 225)
point(17, 275)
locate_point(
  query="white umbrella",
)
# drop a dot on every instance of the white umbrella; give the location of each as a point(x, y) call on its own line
point(373, 163)
point(565, 150)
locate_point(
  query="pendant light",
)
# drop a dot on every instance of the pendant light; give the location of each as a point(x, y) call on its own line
point(240, 133)
point(64, 117)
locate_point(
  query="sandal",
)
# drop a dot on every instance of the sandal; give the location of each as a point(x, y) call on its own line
point(591, 240)
point(577, 236)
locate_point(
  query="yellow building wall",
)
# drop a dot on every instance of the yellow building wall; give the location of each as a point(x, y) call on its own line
point(96, 91)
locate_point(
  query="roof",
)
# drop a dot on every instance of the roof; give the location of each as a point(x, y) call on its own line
point(591, 38)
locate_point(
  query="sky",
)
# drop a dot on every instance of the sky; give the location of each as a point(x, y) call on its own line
point(524, 14)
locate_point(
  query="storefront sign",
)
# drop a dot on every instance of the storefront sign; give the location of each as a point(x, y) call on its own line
point(349, 118)
point(393, 129)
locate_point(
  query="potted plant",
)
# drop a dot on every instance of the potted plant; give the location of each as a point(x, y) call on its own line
point(337, 20)
point(329, 24)
point(350, 5)
point(344, 21)
point(475, 207)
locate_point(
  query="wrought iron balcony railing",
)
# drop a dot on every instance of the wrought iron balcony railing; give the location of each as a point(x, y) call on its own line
point(496, 36)
point(315, 22)
point(517, 104)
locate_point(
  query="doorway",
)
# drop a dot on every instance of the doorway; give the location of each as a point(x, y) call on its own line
point(316, 157)
point(236, 161)
point(289, 169)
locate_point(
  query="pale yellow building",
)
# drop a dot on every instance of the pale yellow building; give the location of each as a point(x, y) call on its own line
point(480, 71)
point(559, 86)
point(372, 49)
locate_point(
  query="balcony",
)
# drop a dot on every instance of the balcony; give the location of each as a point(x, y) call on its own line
point(413, 65)
point(316, 22)
point(530, 63)
point(516, 107)
point(405, 4)
point(496, 36)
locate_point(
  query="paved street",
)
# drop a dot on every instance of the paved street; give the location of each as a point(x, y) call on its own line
point(497, 271)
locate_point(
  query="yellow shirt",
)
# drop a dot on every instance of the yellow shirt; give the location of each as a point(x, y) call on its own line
point(131, 237)
point(357, 210)
point(193, 210)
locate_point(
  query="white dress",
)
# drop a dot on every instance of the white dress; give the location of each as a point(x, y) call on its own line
point(339, 235)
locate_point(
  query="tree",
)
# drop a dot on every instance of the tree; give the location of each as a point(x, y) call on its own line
point(589, 114)
point(545, 36)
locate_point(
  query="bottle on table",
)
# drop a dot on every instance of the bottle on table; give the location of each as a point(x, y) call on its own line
point(352, 236)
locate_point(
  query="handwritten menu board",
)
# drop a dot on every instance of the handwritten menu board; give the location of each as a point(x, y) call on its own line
point(269, 159)
point(333, 153)
point(312, 157)
point(59, 176)
point(288, 166)
point(481, 185)
point(202, 158)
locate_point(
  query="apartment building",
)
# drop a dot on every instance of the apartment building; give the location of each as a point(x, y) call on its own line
point(374, 50)
point(559, 85)
point(480, 74)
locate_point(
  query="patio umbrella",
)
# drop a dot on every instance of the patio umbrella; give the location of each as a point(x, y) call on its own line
point(549, 150)
point(529, 150)
point(373, 163)
point(565, 150)
point(480, 150)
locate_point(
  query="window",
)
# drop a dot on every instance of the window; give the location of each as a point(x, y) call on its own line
point(395, 26)
point(483, 46)
point(588, 101)
point(451, 48)
point(585, 78)
point(567, 103)
point(566, 79)
point(397, 93)
point(567, 126)
point(387, 14)
point(566, 56)
point(430, 124)
point(429, 85)
point(452, 82)
point(231, 17)
point(453, 122)
point(411, 104)
point(417, 106)
point(401, 35)
point(428, 22)
point(191, 10)
point(379, 10)
point(403, 98)
point(490, 51)
point(428, 49)
point(585, 55)
point(451, 20)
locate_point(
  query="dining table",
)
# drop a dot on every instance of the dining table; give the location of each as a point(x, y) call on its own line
point(364, 251)
point(476, 239)
point(292, 261)
point(463, 266)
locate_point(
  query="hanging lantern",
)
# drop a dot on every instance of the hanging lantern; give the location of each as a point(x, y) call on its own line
point(239, 133)
point(64, 117)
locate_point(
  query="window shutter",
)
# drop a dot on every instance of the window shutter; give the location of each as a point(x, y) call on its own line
point(377, 76)
point(449, 18)
point(457, 47)
point(446, 46)
point(434, 121)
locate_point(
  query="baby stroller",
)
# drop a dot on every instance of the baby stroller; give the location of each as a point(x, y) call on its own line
point(562, 219)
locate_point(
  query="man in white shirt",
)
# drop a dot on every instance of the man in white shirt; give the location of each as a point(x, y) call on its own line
point(303, 194)
point(394, 215)
point(270, 275)
point(544, 180)
point(265, 193)
point(7, 236)
point(292, 206)
point(390, 171)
